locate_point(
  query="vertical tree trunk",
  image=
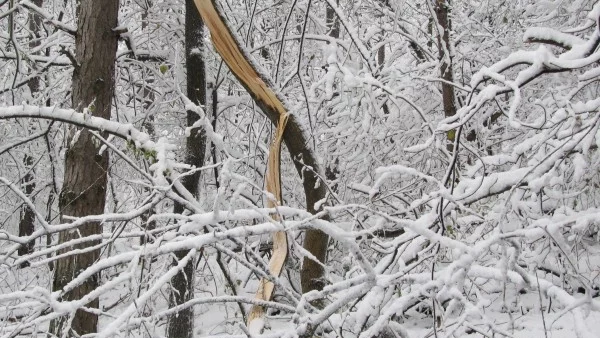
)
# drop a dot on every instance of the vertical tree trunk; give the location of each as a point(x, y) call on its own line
point(315, 241)
point(84, 188)
point(26, 223)
point(147, 98)
point(333, 25)
point(442, 9)
point(181, 324)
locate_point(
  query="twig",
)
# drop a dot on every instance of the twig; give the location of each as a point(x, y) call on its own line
point(541, 309)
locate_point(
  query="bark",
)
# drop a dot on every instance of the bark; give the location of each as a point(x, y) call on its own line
point(148, 98)
point(26, 223)
point(333, 25)
point(381, 62)
point(181, 324)
point(35, 26)
point(84, 188)
point(442, 9)
point(315, 241)
point(295, 140)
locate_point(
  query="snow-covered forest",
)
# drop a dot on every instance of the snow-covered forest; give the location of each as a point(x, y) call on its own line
point(299, 168)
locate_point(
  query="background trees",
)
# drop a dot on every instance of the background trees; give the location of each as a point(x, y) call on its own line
point(495, 234)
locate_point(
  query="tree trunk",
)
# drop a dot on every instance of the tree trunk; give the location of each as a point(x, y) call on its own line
point(181, 324)
point(442, 8)
point(84, 188)
point(315, 241)
point(26, 223)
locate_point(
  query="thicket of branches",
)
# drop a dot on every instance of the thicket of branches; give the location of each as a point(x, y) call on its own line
point(457, 143)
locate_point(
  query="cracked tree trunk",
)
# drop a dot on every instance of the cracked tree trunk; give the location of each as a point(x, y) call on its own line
point(259, 88)
point(84, 188)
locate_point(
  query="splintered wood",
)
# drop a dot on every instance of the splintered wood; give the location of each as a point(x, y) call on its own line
point(265, 288)
point(228, 48)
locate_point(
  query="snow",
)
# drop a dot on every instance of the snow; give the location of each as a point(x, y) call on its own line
point(495, 237)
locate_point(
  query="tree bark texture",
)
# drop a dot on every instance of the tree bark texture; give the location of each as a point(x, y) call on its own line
point(442, 9)
point(26, 222)
point(259, 88)
point(147, 100)
point(181, 324)
point(84, 188)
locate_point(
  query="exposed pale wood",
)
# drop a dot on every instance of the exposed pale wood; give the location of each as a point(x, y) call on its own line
point(245, 72)
point(227, 47)
point(280, 248)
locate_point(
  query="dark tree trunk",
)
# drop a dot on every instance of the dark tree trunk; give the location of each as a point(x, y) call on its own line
point(84, 188)
point(333, 24)
point(181, 324)
point(316, 241)
point(26, 223)
point(442, 9)
point(35, 26)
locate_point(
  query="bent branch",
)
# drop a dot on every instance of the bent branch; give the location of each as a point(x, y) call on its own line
point(259, 88)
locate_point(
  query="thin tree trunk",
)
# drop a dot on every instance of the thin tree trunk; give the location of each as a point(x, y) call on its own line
point(442, 9)
point(147, 99)
point(181, 324)
point(333, 25)
point(84, 188)
point(315, 241)
point(26, 223)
